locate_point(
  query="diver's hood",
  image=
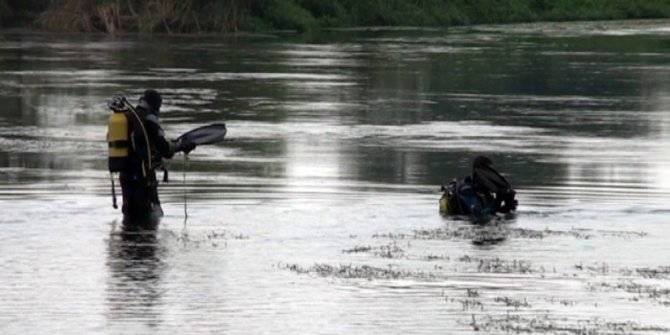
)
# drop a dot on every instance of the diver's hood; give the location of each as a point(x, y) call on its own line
point(485, 175)
point(146, 106)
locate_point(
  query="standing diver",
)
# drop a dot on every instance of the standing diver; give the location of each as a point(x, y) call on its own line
point(142, 146)
point(486, 192)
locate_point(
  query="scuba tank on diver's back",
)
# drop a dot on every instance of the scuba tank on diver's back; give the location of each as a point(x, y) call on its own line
point(444, 201)
point(118, 136)
point(118, 140)
point(450, 202)
point(128, 143)
point(484, 193)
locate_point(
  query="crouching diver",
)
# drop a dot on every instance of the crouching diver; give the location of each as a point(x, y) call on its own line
point(137, 146)
point(486, 192)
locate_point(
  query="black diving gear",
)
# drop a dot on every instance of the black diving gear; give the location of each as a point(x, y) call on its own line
point(209, 134)
point(491, 182)
point(484, 193)
point(148, 147)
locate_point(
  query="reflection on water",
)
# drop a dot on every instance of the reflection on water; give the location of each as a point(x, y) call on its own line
point(319, 213)
point(135, 269)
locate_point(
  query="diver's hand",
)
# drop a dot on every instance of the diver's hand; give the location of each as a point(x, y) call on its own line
point(186, 146)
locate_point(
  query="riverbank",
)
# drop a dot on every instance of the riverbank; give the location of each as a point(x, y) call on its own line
point(206, 16)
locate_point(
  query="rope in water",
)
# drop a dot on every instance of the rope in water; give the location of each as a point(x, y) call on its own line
point(184, 166)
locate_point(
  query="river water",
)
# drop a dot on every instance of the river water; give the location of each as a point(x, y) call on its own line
point(319, 214)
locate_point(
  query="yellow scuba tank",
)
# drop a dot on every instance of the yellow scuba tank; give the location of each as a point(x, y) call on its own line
point(118, 140)
point(444, 204)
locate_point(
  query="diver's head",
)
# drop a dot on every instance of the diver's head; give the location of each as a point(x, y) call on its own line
point(481, 162)
point(153, 100)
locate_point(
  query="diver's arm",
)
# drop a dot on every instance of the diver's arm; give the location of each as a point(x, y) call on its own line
point(166, 148)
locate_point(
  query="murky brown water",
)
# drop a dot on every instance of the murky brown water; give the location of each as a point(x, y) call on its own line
point(319, 214)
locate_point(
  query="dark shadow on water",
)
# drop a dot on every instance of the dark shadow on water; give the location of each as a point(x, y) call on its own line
point(142, 222)
point(485, 231)
point(135, 267)
point(493, 232)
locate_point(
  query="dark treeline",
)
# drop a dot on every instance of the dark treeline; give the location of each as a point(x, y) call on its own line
point(198, 16)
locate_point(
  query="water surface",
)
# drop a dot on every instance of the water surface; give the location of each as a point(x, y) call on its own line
point(319, 213)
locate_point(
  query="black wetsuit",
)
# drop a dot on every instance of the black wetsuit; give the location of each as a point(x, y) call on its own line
point(484, 193)
point(138, 183)
point(493, 186)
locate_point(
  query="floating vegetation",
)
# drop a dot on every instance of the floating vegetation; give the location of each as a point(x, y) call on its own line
point(472, 293)
point(662, 272)
point(475, 300)
point(638, 290)
point(357, 249)
point(225, 235)
point(391, 250)
point(564, 302)
point(615, 233)
point(436, 257)
point(498, 265)
point(545, 324)
point(497, 233)
point(214, 238)
point(511, 302)
point(599, 269)
point(486, 239)
point(358, 272)
point(471, 304)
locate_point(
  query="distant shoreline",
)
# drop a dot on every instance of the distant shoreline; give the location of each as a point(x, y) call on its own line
point(257, 16)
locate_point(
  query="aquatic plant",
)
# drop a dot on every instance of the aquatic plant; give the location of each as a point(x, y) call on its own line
point(391, 250)
point(511, 302)
point(502, 232)
point(472, 293)
point(350, 271)
point(436, 257)
point(546, 324)
point(498, 265)
point(637, 291)
point(662, 272)
point(357, 249)
point(471, 304)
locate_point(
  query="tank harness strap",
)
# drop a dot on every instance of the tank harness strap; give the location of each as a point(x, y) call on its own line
point(146, 165)
point(114, 204)
point(119, 144)
point(458, 196)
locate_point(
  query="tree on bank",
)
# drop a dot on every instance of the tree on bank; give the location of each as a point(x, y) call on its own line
point(200, 16)
point(21, 12)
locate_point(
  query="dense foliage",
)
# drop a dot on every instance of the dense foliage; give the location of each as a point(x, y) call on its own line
point(188, 16)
